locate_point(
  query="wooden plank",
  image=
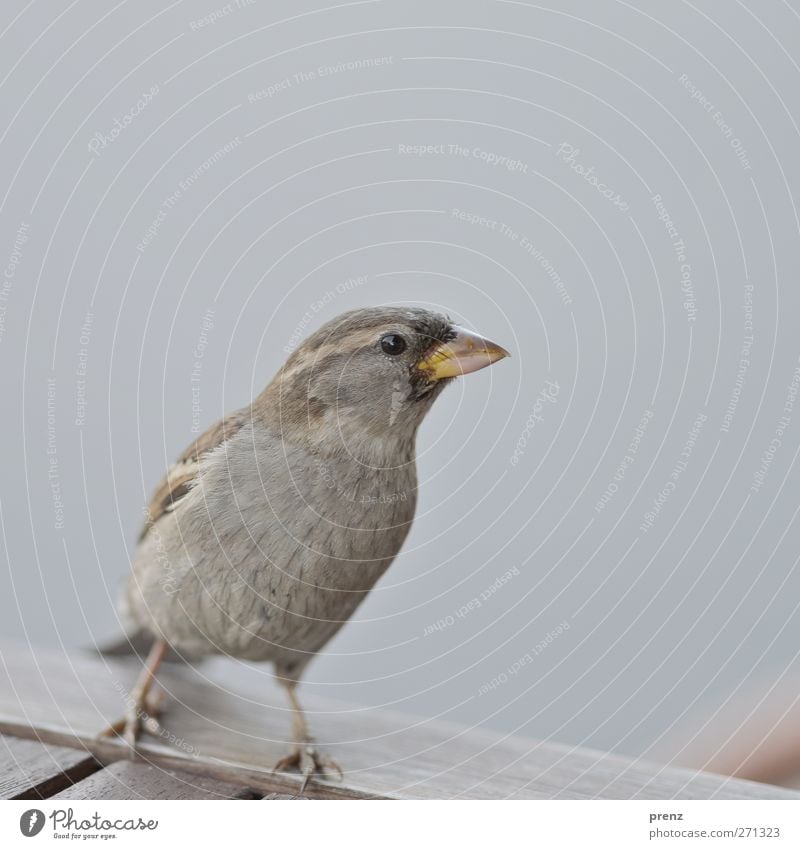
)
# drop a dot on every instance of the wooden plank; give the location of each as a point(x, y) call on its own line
point(31, 770)
point(238, 737)
point(274, 797)
point(128, 780)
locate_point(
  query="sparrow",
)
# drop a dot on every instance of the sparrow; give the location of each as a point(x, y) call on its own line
point(272, 527)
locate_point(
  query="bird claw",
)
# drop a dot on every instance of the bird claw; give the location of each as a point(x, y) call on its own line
point(140, 717)
point(308, 761)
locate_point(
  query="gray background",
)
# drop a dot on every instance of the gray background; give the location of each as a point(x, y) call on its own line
point(657, 636)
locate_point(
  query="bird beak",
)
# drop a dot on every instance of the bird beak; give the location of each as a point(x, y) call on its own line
point(465, 353)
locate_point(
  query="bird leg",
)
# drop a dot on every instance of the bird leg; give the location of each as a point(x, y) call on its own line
point(303, 755)
point(143, 706)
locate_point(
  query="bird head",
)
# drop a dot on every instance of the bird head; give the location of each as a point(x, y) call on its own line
point(364, 381)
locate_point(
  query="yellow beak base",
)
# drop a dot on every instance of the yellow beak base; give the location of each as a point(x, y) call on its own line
point(465, 353)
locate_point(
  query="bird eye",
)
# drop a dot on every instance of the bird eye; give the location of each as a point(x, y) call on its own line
point(393, 344)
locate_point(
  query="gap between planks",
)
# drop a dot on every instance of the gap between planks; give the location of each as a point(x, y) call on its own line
point(102, 753)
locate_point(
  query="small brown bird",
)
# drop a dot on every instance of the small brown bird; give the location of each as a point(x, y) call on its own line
point(273, 526)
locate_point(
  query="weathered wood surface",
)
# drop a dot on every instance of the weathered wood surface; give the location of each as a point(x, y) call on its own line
point(32, 770)
point(127, 780)
point(237, 737)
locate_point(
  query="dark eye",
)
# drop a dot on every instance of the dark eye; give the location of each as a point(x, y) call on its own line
point(393, 344)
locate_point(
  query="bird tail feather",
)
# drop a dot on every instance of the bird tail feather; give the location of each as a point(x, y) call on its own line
point(139, 643)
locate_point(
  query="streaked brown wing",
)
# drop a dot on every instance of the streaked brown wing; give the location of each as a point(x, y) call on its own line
point(178, 480)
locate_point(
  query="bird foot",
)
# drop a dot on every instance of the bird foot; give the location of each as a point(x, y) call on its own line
point(305, 758)
point(140, 717)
